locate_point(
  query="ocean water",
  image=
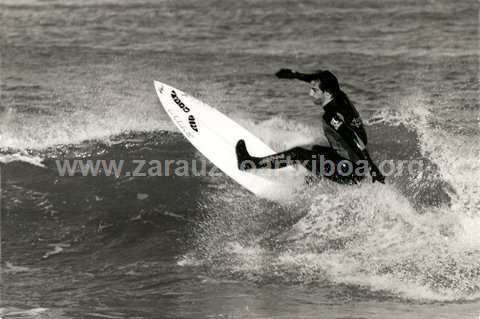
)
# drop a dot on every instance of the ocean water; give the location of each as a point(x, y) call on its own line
point(77, 83)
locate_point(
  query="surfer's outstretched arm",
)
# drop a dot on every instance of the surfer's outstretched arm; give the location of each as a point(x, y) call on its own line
point(355, 142)
point(291, 74)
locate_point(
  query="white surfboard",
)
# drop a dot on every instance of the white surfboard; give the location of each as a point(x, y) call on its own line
point(215, 136)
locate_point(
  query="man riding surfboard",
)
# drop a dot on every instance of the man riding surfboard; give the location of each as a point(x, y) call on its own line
point(343, 129)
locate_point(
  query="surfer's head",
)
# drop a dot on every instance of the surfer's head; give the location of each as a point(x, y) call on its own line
point(324, 87)
point(329, 82)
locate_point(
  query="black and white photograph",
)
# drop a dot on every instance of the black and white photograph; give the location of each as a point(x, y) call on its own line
point(240, 159)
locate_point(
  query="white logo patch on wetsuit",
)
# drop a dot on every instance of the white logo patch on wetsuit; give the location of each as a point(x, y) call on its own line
point(336, 124)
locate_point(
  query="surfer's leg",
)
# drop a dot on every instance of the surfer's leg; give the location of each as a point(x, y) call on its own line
point(293, 156)
point(296, 155)
point(325, 151)
point(335, 167)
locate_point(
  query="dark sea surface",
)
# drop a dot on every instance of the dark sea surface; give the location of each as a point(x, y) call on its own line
point(77, 83)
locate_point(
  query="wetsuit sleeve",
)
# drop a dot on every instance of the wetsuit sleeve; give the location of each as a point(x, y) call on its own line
point(290, 74)
point(307, 77)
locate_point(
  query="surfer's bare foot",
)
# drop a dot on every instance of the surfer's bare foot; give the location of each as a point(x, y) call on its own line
point(244, 160)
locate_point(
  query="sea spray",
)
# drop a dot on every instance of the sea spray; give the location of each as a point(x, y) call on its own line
point(368, 235)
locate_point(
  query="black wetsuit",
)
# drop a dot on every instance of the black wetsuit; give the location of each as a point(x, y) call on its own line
point(343, 129)
point(345, 133)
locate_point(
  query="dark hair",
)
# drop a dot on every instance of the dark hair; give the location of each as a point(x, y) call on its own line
point(328, 82)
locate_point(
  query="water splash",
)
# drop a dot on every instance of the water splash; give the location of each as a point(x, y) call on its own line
point(22, 157)
point(369, 235)
point(281, 133)
point(73, 120)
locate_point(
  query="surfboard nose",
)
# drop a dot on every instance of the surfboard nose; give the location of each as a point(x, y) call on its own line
point(158, 86)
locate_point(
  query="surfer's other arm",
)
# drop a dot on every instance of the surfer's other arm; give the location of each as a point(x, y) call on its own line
point(291, 74)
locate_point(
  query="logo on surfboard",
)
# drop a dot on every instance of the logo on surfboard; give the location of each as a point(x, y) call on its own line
point(179, 102)
point(193, 124)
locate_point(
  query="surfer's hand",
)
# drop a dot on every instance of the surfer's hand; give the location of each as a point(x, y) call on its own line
point(285, 74)
point(376, 175)
point(378, 178)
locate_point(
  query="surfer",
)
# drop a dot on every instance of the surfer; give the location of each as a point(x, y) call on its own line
point(343, 129)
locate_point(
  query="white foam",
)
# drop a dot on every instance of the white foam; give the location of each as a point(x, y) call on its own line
point(57, 249)
point(431, 254)
point(22, 157)
point(281, 133)
point(370, 234)
point(11, 311)
point(19, 131)
point(10, 268)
